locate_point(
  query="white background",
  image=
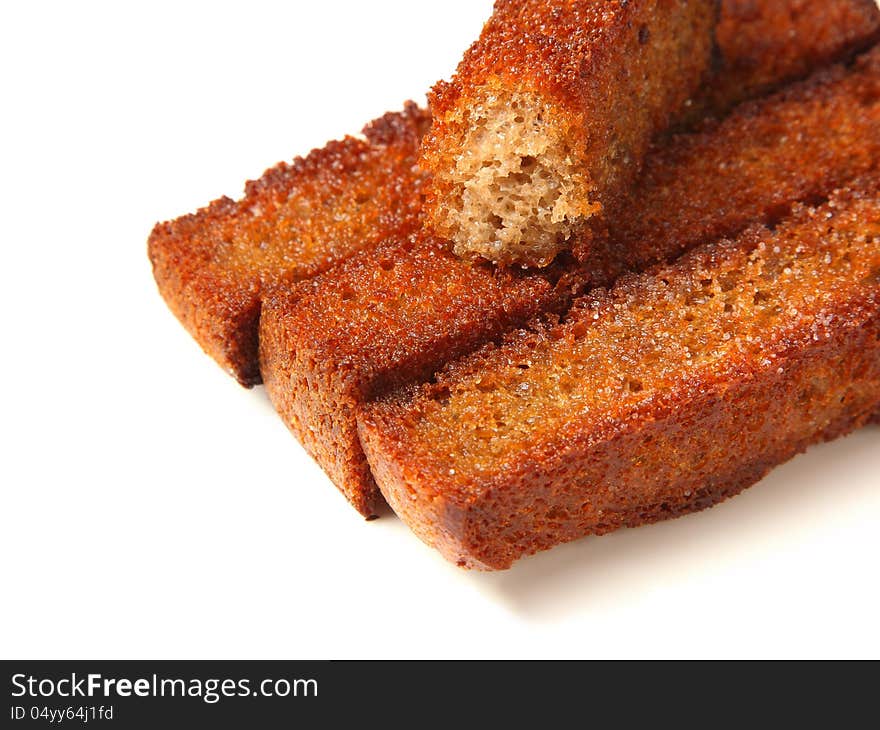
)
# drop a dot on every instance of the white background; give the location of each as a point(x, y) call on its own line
point(152, 508)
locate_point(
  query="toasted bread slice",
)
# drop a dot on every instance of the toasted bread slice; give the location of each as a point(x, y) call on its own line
point(216, 292)
point(215, 267)
point(550, 114)
point(672, 392)
point(396, 314)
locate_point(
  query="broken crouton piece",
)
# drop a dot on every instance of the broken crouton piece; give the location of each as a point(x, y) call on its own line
point(549, 117)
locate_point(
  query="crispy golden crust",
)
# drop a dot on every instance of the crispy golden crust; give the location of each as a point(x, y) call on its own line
point(218, 299)
point(795, 146)
point(591, 82)
point(763, 44)
point(214, 268)
point(388, 317)
point(666, 395)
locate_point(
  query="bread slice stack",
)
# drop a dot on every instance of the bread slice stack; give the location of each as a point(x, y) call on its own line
point(716, 316)
point(395, 315)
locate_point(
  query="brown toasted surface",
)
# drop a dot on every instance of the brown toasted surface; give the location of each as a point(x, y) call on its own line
point(218, 298)
point(753, 165)
point(765, 43)
point(673, 391)
point(325, 348)
point(591, 82)
point(392, 316)
point(213, 268)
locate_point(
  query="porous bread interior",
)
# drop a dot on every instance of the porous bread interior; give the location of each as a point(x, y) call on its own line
point(729, 302)
point(517, 193)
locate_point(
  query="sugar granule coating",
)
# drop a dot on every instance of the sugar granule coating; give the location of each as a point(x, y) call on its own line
point(765, 43)
point(675, 390)
point(550, 114)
